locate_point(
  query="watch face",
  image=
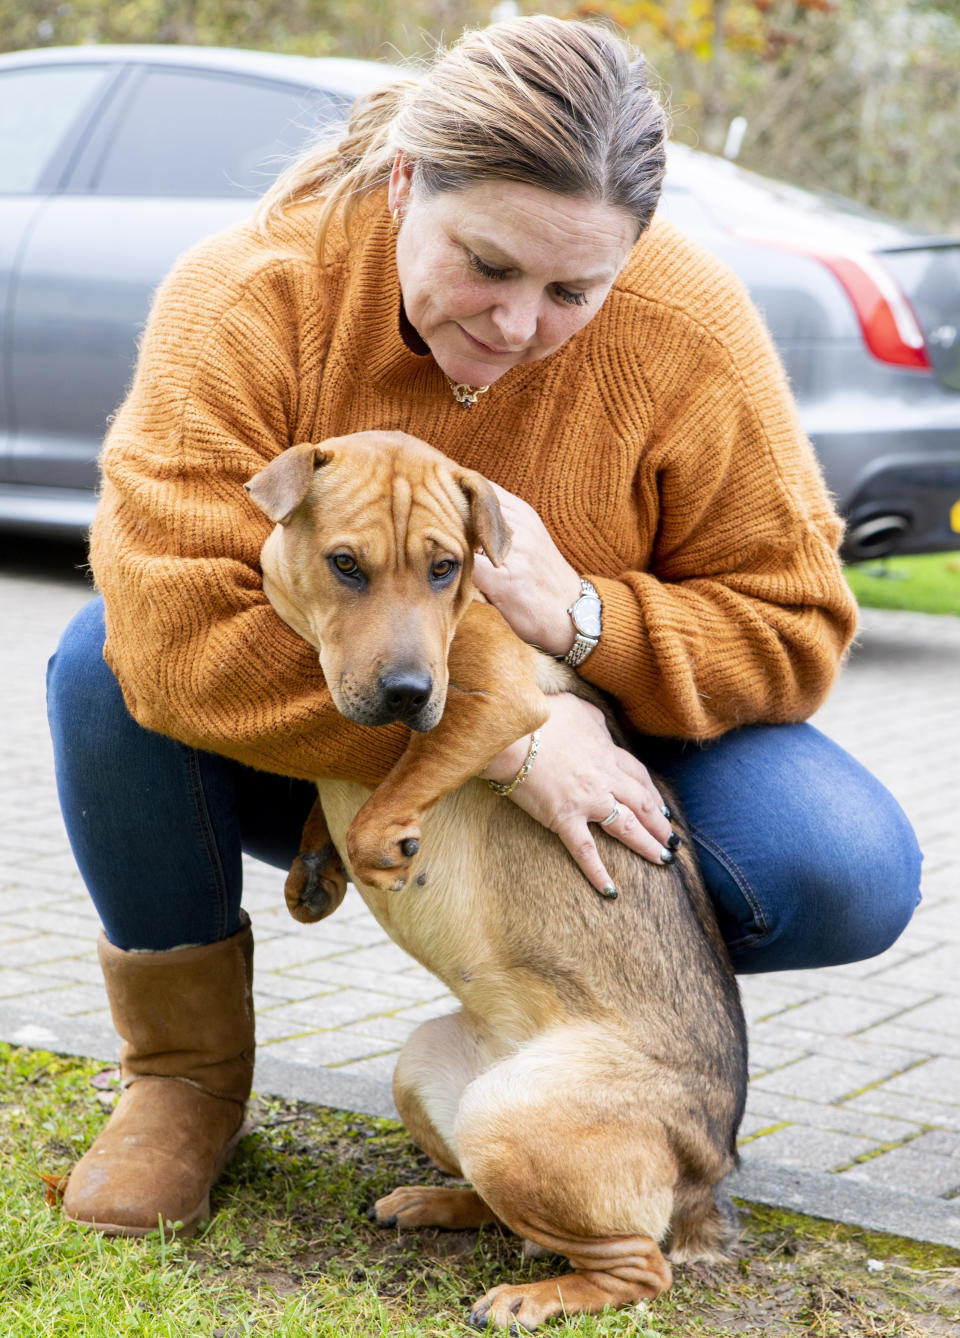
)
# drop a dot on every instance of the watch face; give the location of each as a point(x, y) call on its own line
point(586, 615)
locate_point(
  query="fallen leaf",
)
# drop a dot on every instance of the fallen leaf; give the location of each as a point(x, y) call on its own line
point(56, 1186)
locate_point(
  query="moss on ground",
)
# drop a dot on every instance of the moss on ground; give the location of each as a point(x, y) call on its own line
point(291, 1251)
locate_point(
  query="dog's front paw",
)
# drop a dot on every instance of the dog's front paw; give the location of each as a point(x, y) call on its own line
point(381, 855)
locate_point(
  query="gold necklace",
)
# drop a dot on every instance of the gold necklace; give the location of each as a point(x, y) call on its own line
point(466, 395)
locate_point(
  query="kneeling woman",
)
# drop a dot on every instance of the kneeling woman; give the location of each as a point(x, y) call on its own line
point(476, 263)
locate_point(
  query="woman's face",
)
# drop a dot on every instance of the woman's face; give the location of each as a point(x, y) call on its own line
point(502, 273)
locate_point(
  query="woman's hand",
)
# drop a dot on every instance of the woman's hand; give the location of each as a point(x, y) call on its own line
point(536, 584)
point(580, 776)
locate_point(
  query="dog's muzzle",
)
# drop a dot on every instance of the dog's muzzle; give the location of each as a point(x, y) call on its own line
point(407, 696)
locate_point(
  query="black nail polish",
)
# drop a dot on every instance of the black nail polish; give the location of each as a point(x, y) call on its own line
point(674, 842)
point(667, 856)
point(666, 812)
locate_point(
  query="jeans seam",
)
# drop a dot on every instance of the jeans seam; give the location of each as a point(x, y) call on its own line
point(208, 837)
point(742, 882)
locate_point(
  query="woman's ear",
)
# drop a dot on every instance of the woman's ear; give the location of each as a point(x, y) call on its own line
point(401, 180)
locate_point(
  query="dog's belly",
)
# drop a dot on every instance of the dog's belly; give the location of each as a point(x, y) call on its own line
point(448, 916)
point(496, 908)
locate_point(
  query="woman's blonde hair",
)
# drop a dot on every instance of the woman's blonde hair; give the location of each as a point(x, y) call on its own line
point(548, 102)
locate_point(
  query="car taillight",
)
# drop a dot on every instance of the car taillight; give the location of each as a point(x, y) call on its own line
point(890, 328)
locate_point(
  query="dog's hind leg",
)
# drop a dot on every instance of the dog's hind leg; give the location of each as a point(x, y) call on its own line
point(703, 1229)
point(579, 1167)
point(435, 1065)
point(317, 881)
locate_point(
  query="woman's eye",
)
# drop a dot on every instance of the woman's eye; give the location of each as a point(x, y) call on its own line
point(575, 299)
point(488, 271)
point(568, 295)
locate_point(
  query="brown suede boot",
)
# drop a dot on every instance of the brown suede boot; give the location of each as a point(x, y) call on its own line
point(186, 1019)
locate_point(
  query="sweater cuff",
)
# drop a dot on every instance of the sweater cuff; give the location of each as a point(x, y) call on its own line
point(622, 664)
point(624, 632)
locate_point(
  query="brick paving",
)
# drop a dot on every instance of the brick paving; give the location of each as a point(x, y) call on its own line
point(854, 1107)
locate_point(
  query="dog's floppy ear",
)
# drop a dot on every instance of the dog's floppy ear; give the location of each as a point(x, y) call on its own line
point(490, 530)
point(280, 488)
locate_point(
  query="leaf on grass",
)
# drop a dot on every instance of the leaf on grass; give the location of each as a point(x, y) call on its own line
point(56, 1187)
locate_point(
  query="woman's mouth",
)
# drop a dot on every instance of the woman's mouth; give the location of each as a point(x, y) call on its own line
point(489, 349)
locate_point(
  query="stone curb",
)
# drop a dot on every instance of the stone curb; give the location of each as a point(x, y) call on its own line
point(815, 1194)
point(274, 1077)
point(821, 1194)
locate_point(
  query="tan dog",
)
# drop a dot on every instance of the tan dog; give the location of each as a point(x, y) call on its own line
point(591, 1084)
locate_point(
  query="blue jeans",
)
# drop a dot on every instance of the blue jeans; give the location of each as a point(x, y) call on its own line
point(808, 859)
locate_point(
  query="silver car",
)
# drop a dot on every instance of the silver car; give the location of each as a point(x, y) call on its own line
point(865, 313)
point(113, 160)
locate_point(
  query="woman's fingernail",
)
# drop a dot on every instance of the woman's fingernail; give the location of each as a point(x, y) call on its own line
point(667, 856)
point(674, 842)
point(666, 812)
point(609, 891)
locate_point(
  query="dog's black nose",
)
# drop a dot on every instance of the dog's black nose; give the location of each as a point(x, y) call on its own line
point(405, 692)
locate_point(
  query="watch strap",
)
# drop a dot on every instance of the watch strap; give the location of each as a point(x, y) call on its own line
point(580, 649)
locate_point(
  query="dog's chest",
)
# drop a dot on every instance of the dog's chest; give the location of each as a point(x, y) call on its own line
point(438, 917)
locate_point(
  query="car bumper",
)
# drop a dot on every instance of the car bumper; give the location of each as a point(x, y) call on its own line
point(903, 501)
point(60, 513)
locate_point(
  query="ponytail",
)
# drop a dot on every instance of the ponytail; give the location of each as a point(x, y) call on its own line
point(341, 172)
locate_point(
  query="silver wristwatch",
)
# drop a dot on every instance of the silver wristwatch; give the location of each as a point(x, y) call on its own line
point(587, 615)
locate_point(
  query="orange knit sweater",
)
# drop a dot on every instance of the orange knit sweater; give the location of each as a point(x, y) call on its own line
point(660, 445)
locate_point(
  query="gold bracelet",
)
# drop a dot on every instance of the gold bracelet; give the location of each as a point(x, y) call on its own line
point(508, 787)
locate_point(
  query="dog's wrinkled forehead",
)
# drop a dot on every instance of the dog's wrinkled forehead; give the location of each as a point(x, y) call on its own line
point(387, 480)
point(433, 513)
point(403, 509)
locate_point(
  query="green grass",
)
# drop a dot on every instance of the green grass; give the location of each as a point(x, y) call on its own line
point(929, 583)
point(290, 1251)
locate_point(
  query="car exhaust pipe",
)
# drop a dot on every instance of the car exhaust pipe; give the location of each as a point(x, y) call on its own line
point(875, 538)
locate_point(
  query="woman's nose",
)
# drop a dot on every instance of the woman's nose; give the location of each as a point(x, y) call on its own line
point(516, 318)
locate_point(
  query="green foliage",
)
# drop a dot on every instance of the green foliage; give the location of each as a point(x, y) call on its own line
point(928, 583)
point(302, 27)
point(859, 97)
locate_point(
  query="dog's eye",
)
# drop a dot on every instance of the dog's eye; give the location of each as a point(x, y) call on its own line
point(443, 570)
point(344, 564)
